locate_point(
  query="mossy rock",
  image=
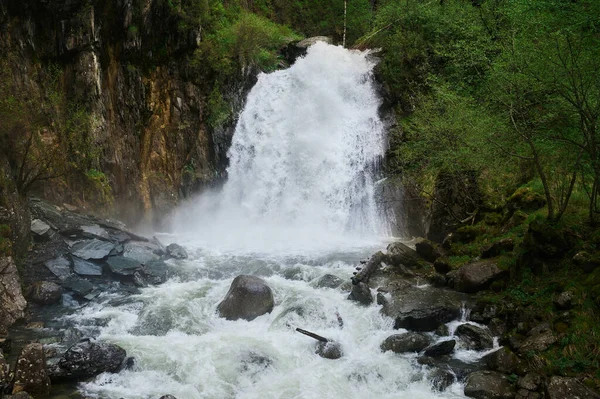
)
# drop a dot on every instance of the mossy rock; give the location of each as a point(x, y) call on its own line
point(526, 199)
point(595, 294)
point(546, 241)
point(467, 234)
point(492, 218)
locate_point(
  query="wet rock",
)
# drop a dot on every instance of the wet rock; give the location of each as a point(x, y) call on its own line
point(530, 382)
point(12, 302)
point(5, 377)
point(400, 254)
point(247, 298)
point(458, 367)
point(538, 340)
point(123, 266)
point(428, 250)
point(483, 312)
point(442, 265)
point(45, 292)
point(497, 248)
point(39, 228)
point(497, 327)
point(92, 249)
point(329, 350)
point(86, 268)
point(5, 345)
point(474, 337)
point(167, 397)
point(488, 385)
point(440, 349)
point(329, 281)
point(60, 267)
point(441, 379)
point(563, 387)
point(143, 252)
point(95, 231)
point(78, 285)
point(476, 276)
point(153, 273)
point(438, 280)
point(87, 359)
point(408, 342)
point(361, 294)
point(504, 361)
point(564, 301)
point(176, 251)
point(31, 374)
point(422, 309)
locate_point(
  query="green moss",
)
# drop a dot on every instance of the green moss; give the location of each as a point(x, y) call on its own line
point(5, 240)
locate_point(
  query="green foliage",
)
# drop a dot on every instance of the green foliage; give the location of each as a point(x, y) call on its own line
point(218, 109)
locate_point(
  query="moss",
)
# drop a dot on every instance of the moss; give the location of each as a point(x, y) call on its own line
point(492, 218)
point(5, 240)
point(527, 199)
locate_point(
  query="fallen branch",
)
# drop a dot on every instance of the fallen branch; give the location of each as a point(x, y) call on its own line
point(312, 335)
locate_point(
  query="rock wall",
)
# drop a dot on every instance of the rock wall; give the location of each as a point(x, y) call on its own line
point(125, 63)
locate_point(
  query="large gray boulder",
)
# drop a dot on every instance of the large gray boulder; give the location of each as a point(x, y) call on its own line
point(489, 385)
point(87, 359)
point(31, 374)
point(408, 342)
point(12, 302)
point(474, 337)
point(176, 251)
point(476, 276)
point(92, 249)
point(45, 292)
point(563, 387)
point(399, 253)
point(440, 349)
point(329, 350)
point(361, 293)
point(247, 298)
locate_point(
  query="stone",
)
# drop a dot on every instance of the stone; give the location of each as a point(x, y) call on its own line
point(442, 331)
point(399, 253)
point(538, 341)
point(503, 360)
point(45, 292)
point(422, 309)
point(12, 302)
point(442, 265)
point(459, 368)
point(30, 373)
point(92, 249)
point(563, 387)
point(497, 327)
point(60, 267)
point(248, 297)
point(428, 250)
point(5, 377)
point(530, 382)
point(95, 231)
point(564, 301)
point(474, 337)
point(167, 397)
point(489, 385)
point(498, 247)
point(152, 273)
point(441, 379)
point(176, 251)
point(477, 276)
point(39, 227)
point(88, 359)
point(483, 312)
point(361, 293)
point(123, 266)
point(78, 285)
point(140, 251)
point(440, 349)
point(407, 342)
point(19, 395)
point(587, 262)
point(5, 345)
point(329, 281)
point(86, 268)
point(329, 350)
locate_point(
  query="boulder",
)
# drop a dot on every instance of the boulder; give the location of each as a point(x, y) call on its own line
point(152, 273)
point(141, 251)
point(563, 387)
point(12, 302)
point(476, 276)
point(440, 349)
point(530, 382)
point(60, 267)
point(95, 231)
point(427, 250)
point(78, 285)
point(87, 359)
point(525, 199)
point(401, 254)
point(329, 281)
point(123, 266)
point(489, 385)
point(176, 251)
point(86, 268)
point(537, 341)
point(586, 261)
point(167, 397)
point(40, 229)
point(329, 350)
point(92, 249)
point(5, 377)
point(422, 309)
point(564, 301)
point(247, 298)
point(361, 293)
point(474, 337)
point(441, 379)
point(45, 292)
point(497, 248)
point(408, 342)
point(442, 265)
point(458, 367)
point(31, 374)
point(504, 361)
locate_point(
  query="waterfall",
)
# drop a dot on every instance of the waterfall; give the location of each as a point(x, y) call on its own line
point(303, 157)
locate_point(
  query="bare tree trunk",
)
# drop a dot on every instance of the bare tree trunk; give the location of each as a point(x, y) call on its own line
point(344, 37)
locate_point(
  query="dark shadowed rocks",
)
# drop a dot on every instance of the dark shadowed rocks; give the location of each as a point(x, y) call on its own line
point(476, 276)
point(45, 292)
point(399, 253)
point(329, 350)
point(87, 359)
point(440, 349)
point(563, 387)
point(474, 337)
point(31, 374)
point(361, 293)
point(92, 249)
point(489, 385)
point(408, 342)
point(247, 298)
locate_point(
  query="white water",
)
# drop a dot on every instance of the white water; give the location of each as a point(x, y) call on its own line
point(298, 204)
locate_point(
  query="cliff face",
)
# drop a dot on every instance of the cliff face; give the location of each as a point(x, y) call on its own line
point(124, 65)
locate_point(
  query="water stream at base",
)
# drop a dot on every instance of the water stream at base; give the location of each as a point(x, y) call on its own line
point(299, 203)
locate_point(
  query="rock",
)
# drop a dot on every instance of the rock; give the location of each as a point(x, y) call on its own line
point(441, 379)
point(564, 301)
point(31, 374)
point(530, 382)
point(538, 341)
point(45, 293)
point(474, 337)
point(60, 267)
point(142, 252)
point(483, 312)
point(458, 367)
point(422, 309)
point(476, 276)
point(12, 302)
point(563, 387)
point(544, 241)
point(176, 251)
point(361, 294)
point(88, 359)
point(329, 281)
point(78, 285)
point(488, 385)
point(497, 327)
point(408, 342)
point(428, 250)
point(153, 273)
point(123, 266)
point(19, 395)
point(497, 248)
point(440, 349)
point(39, 228)
point(92, 249)
point(329, 350)
point(86, 268)
point(167, 397)
point(400, 254)
point(247, 298)
point(442, 331)
point(586, 261)
point(95, 231)
point(503, 360)
point(5, 377)
point(442, 265)
point(525, 199)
